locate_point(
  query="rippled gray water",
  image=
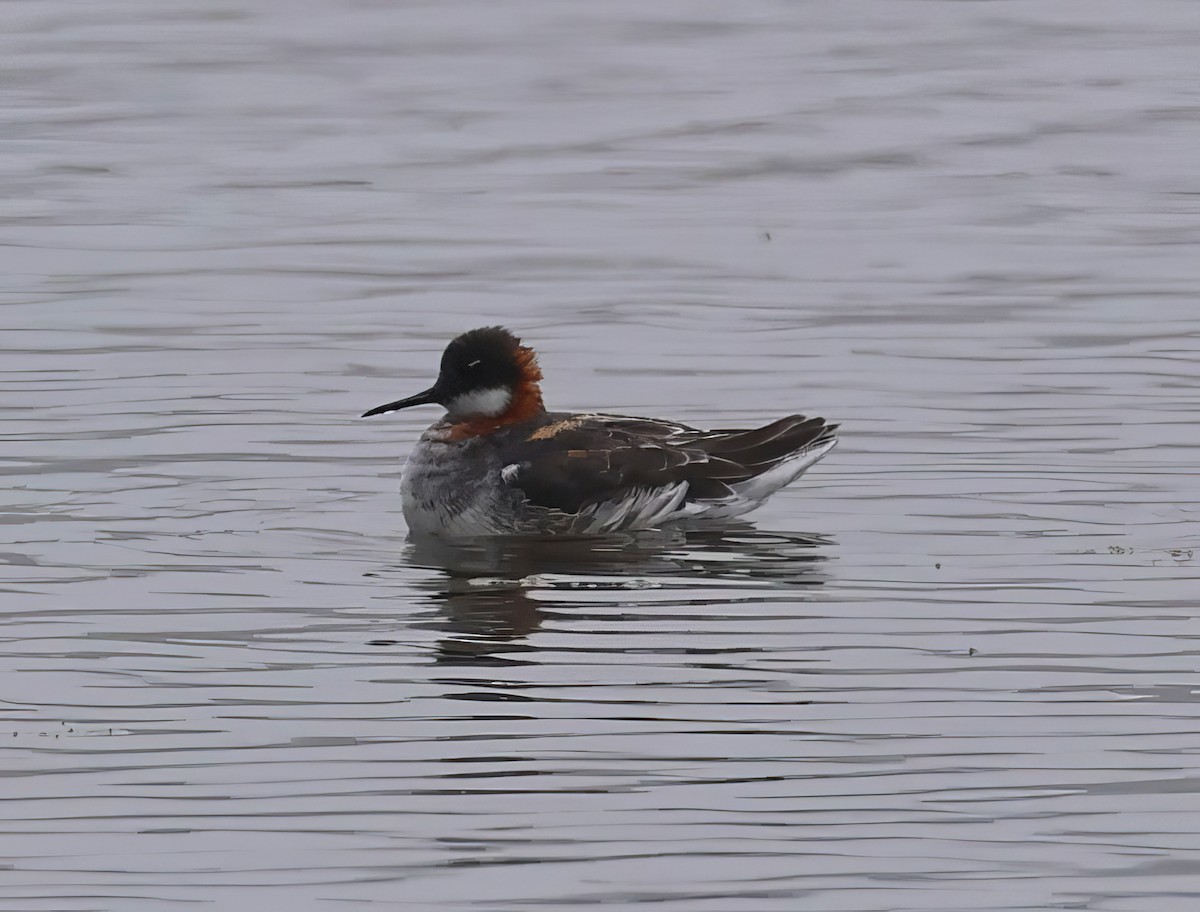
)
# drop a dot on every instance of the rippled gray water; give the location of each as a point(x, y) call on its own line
point(954, 669)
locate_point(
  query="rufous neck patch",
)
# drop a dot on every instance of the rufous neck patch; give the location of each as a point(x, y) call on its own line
point(526, 404)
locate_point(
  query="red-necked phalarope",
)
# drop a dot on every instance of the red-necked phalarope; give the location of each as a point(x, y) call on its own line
point(499, 463)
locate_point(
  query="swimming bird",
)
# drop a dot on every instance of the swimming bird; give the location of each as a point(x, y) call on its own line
point(499, 463)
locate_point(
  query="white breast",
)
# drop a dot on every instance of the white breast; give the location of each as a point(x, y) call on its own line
point(446, 492)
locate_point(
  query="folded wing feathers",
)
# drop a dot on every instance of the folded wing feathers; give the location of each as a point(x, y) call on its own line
point(649, 470)
point(740, 455)
point(721, 465)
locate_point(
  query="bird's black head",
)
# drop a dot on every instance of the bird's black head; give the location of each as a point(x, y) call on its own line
point(485, 373)
point(478, 361)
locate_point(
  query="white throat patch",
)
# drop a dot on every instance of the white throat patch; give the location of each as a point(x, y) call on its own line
point(488, 403)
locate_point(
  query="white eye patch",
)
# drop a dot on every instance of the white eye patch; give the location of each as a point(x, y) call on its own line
point(473, 363)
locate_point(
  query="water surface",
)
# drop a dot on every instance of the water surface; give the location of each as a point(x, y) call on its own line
point(953, 669)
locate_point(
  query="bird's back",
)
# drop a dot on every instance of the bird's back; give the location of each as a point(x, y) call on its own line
point(602, 473)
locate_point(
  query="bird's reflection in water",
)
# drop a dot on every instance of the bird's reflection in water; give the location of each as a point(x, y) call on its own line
point(495, 592)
